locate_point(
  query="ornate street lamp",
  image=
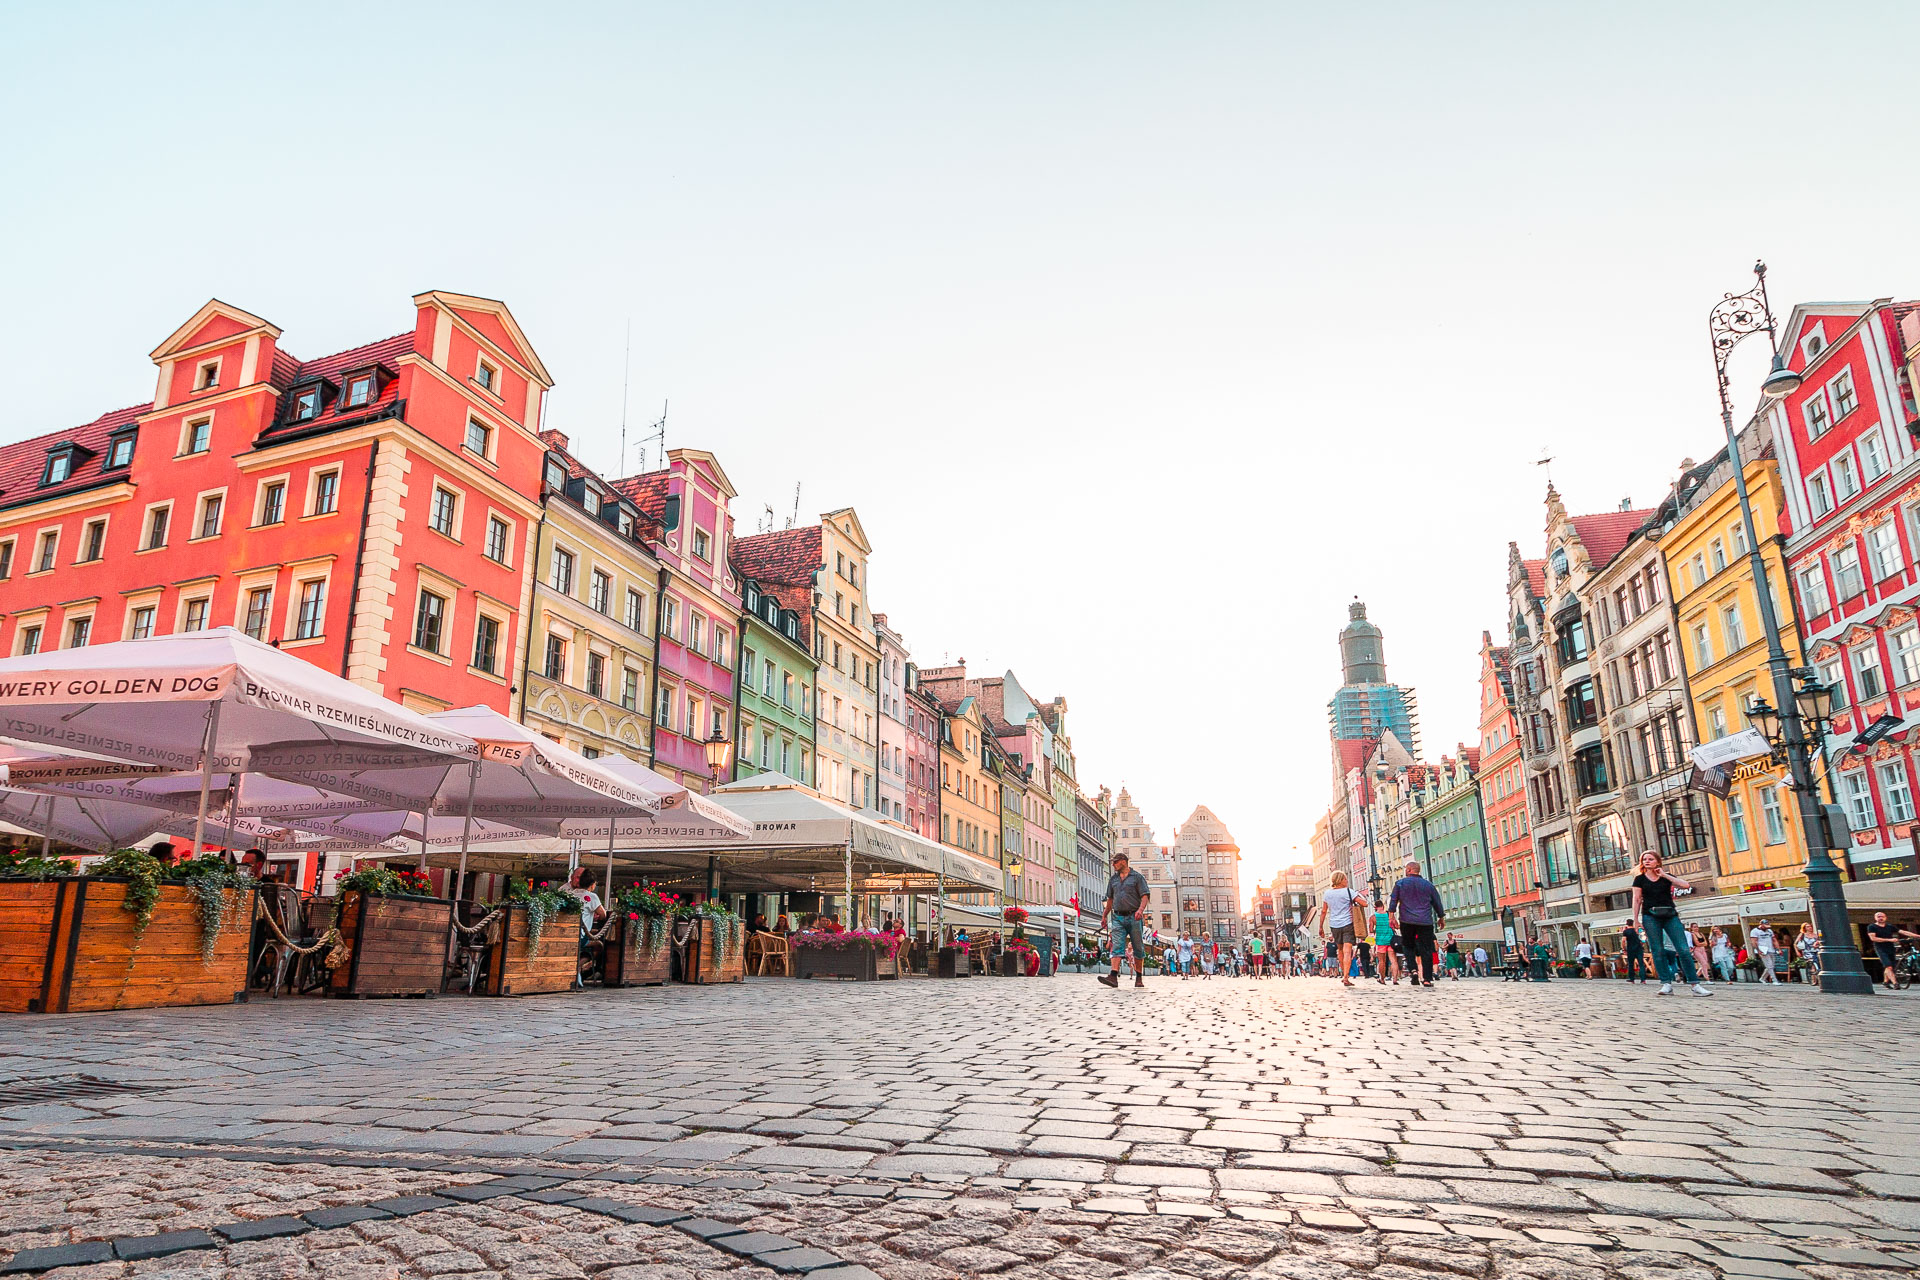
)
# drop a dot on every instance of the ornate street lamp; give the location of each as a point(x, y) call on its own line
point(719, 751)
point(1734, 318)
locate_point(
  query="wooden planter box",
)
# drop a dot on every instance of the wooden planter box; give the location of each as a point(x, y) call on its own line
point(627, 963)
point(399, 945)
point(67, 946)
point(950, 962)
point(702, 963)
point(512, 971)
point(863, 964)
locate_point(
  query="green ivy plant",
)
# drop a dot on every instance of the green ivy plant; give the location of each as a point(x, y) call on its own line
point(142, 872)
point(724, 925)
point(208, 878)
point(543, 902)
point(18, 864)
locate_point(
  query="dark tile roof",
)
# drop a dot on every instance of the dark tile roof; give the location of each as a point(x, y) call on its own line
point(788, 556)
point(22, 464)
point(386, 352)
point(647, 492)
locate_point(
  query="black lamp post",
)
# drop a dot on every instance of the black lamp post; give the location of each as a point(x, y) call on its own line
point(1733, 319)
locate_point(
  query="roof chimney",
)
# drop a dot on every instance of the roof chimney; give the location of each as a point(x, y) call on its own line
point(1626, 504)
point(558, 439)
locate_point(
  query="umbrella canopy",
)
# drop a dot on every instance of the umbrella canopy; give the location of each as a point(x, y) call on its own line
point(103, 825)
point(210, 698)
point(683, 814)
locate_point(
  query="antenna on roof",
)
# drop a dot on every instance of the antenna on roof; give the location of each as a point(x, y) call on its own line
point(794, 519)
point(657, 435)
point(1546, 460)
point(626, 379)
point(766, 521)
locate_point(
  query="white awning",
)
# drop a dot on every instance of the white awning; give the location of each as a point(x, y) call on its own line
point(1900, 893)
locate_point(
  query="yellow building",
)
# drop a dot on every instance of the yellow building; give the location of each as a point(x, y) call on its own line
point(969, 787)
point(1756, 829)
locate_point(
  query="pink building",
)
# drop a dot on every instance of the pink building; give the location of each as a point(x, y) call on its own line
point(921, 714)
point(699, 609)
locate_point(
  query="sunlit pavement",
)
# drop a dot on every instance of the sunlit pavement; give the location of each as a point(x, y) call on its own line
point(1019, 1127)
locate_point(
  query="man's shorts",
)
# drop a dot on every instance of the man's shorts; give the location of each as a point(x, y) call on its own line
point(1125, 928)
point(1342, 934)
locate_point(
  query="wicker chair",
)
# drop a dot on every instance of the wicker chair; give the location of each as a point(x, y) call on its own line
point(771, 949)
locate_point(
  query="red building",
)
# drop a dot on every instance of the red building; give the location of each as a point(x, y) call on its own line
point(1503, 791)
point(1850, 468)
point(367, 509)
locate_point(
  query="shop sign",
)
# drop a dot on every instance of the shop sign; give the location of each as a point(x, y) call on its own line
point(1889, 867)
point(1756, 769)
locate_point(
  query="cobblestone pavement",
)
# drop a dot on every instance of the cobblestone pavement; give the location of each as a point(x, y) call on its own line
point(1037, 1130)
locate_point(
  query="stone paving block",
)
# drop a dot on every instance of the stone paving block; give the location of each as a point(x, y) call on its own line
point(137, 1248)
point(801, 1259)
point(401, 1206)
point(261, 1228)
point(1788, 1209)
point(844, 1273)
point(1759, 1268)
point(63, 1255)
point(1559, 1235)
point(1903, 1186)
point(1517, 1195)
point(1278, 1180)
point(1407, 1226)
point(1757, 1249)
point(1070, 1170)
point(1480, 1231)
point(1148, 1175)
point(1115, 1204)
point(1332, 1219)
point(746, 1244)
point(342, 1215)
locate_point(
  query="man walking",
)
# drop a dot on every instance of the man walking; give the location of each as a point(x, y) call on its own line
point(1766, 949)
point(1126, 902)
point(1256, 956)
point(1636, 954)
point(1417, 911)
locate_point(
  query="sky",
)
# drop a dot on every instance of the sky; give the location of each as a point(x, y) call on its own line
point(1142, 337)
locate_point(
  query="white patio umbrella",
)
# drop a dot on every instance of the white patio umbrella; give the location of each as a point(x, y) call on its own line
point(103, 825)
point(683, 816)
point(213, 701)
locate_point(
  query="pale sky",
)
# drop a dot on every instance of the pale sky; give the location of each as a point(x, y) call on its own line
point(1143, 337)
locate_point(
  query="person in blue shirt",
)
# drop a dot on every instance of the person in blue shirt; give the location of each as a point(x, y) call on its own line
point(1416, 910)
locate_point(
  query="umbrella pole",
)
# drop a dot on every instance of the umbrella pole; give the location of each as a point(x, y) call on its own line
point(46, 837)
point(940, 924)
point(853, 917)
point(466, 831)
point(423, 841)
point(206, 776)
point(608, 886)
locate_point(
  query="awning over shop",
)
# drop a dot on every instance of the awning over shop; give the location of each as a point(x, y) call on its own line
point(1901, 894)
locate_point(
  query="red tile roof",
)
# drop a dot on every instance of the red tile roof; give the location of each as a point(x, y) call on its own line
point(1536, 577)
point(647, 492)
point(797, 600)
point(386, 352)
point(1607, 534)
point(1353, 752)
point(22, 464)
point(1472, 756)
point(789, 556)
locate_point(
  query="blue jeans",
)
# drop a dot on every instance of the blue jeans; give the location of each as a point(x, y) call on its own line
point(1662, 934)
point(1125, 929)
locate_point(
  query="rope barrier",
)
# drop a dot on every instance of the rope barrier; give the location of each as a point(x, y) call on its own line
point(326, 939)
point(481, 923)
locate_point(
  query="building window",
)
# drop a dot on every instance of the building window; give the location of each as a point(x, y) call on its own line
point(1737, 821)
point(663, 706)
point(1772, 815)
point(142, 623)
point(1841, 391)
point(1719, 551)
point(306, 405)
point(1867, 676)
point(1906, 653)
point(1833, 674)
point(636, 610)
point(669, 609)
point(1819, 494)
point(1873, 456)
point(196, 616)
point(1883, 550)
point(696, 632)
point(1590, 770)
point(77, 632)
point(1857, 791)
point(1846, 481)
point(702, 545)
point(1702, 647)
point(210, 509)
point(1813, 592)
point(1736, 631)
point(556, 668)
point(6, 559)
point(630, 689)
point(479, 437)
point(1816, 416)
point(49, 548)
point(273, 503)
point(596, 675)
point(486, 644)
point(561, 578)
point(157, 527)
point(428, 619)
point(359, 391)
point(259, 611)
point(442, 516)
point(93, 543)
point(600, 592)
point(326, 493)
point(486, 375)
point(766, 677)
point(1893, 787)
point(313, 606)
point(1846, 572)
point(197, 437)
point(59, 467)
point(120, 452)
point(30, 640)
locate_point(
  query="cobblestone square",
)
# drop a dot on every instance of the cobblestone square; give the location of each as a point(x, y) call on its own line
point(920, 1130)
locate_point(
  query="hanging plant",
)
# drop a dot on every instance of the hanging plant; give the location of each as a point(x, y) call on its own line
point(142, 872)
point(18, 864)
point(208, 878)
point(726, 930)
point(380, 881)
point(647, 908)
point(543, 902)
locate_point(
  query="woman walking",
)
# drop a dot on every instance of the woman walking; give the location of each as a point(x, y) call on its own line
point(1653, 904)
point(1386, 949)
point(1808, 945)
point(1338, 907)
point(1722, 950)
point(1699, 949)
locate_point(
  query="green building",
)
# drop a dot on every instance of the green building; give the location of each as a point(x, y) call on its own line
point(775, 684)
point(1455, 857)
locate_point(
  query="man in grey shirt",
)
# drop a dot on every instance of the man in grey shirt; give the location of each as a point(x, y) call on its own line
point(1126, 902)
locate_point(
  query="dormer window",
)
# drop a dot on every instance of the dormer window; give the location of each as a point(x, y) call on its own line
point(120, 451)
point(306, 405)
point(556, 471)
point(59, 466)
point(360, 390)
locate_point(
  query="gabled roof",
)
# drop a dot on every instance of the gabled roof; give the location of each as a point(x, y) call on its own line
point(1606, 535)
point(386, 353)
point(510, 340)
point(22, 464)
point(647, 492)
point(229, 320)
point(789, 556)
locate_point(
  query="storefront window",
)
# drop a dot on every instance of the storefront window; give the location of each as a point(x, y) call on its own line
point(1606, 850)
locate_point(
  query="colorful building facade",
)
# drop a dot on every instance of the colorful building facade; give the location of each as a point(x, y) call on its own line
point(775, 686)
point(1503, 793)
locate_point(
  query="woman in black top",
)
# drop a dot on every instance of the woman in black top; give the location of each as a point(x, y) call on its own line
point(1653, 902)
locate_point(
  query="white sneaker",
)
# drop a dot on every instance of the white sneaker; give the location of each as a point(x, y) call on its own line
point(1666, 988)
point(1702, 989)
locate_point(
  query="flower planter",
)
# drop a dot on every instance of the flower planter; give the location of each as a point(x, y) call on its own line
point(397, 945)
point(515, 970)
point(951, 962)
point(861, 963)
point(705, 964)
point(629, 963)
point(67, 946)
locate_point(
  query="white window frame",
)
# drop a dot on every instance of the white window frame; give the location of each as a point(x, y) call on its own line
point(260, 487)
point(187, 427)
point(1846, 477)
point(1842, 571)
point(1841, 381)
point(506, 549)
point(1814, 599)
point(1819, 494)
point(491, 383)
point(1895, 789)
point(45, 553)
point(1857, 790)
point(201, 382)
point(1873, 450)
point(1816, 414)
point(1885, 567)
point(492, 440)
point(313, 492)
point(296, 599)
point(1863, 659)
point(1905, 643)
point(459, 509)
point(1734, 628)
point(501, 617)
point(200, 515)
point(86, 530)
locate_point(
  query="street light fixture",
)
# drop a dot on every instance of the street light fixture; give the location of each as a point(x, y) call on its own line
point(719, 751)
point(1732, 320)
